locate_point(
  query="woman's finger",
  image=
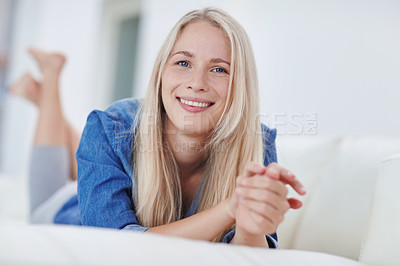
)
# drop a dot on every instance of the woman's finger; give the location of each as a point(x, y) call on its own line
point(260, 195)
point(253, 168)
point(278, 172)
point(294, 203)
point(263, 182)
point(272, 211)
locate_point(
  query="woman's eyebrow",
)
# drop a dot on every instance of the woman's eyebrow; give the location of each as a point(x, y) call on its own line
point(213, 60)
point(219, 60)
point(185, 53)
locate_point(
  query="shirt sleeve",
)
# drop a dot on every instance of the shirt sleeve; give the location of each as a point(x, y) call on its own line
point(271, 239)
point(269, 137)
point(104, 187)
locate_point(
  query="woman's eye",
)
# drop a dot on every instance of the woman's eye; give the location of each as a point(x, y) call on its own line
point(220, 70)
point(183, 63)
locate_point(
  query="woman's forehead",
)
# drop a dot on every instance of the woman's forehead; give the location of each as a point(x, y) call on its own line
point(202, 37)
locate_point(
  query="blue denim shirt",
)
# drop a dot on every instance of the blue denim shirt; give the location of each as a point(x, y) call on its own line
point(105, 173)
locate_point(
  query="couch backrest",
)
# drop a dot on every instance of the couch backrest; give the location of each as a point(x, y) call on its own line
point(335, 213)
point(381, 245)
point(307, 158)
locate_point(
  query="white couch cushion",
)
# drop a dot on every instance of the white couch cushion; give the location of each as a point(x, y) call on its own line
point(336, 215)
point(307, 157)
point(70, 245)
point(381, 245)
point(13, 198)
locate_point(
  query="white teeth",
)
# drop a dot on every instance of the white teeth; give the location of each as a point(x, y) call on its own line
point(197, 104)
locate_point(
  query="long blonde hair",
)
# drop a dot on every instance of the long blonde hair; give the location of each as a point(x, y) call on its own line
point(235, 140)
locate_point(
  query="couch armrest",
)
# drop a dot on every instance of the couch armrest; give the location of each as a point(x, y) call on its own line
point(382, 237)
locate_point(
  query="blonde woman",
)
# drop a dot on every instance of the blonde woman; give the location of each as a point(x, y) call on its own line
point(189, 159)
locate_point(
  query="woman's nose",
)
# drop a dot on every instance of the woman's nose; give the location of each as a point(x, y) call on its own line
point(198, 80)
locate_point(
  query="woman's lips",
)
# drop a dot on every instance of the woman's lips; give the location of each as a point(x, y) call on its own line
point(194, 105)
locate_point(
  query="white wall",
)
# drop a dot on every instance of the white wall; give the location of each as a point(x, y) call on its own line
point(336, 59)
point(18, 117)
point(67, 26)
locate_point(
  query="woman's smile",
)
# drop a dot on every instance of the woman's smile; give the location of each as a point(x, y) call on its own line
point(194, 105)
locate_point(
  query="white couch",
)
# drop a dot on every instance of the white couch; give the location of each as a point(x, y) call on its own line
point(350, 217)
point(351, 209)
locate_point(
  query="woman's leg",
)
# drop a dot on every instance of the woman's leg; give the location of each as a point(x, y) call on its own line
point(49, 163)
point(53, 157)
point(73, 138)
point(52, 127)
point(26, 87)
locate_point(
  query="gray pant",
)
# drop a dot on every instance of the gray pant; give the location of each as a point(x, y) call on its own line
point(49, 173)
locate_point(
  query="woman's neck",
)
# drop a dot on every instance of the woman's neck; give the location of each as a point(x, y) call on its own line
point(189, 153)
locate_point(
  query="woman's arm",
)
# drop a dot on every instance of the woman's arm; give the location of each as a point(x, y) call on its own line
point(105, 187)
point(252, 223)
point(208, 224)
point(205, 225)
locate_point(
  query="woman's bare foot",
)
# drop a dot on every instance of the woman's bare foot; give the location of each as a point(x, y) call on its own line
point(27, 87)
point(49, 63)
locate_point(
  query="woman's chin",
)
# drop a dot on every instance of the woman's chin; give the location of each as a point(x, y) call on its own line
point(193, 131)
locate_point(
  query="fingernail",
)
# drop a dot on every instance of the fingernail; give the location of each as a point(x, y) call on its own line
point(303, 190)
point(273, 172)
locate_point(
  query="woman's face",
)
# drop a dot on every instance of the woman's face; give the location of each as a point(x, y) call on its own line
point(195, 80)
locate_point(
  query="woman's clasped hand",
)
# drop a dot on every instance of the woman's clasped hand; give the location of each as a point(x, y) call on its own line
point(260, 199)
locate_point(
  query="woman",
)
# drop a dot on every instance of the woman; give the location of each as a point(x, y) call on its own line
point(188, 160)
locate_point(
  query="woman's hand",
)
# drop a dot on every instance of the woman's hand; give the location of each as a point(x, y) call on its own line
point(262, 197)
point(250, 170)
